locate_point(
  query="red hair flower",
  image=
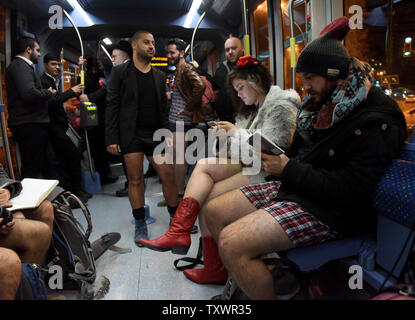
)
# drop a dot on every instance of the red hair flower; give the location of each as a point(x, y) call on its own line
point(245, 59)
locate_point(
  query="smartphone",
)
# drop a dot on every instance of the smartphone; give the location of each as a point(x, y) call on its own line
point(265, 146)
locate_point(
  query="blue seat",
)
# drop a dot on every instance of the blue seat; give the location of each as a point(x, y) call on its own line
point(377, 254)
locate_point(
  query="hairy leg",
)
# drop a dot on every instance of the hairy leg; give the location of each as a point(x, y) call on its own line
point(29, 238)
point(166, 174)
point(234, 182)
point(10, 274)
point(243, 242)
point(135, 177)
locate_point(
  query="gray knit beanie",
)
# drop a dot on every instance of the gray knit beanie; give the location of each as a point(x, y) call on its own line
point(325, 56)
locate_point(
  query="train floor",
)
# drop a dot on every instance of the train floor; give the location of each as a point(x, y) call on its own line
point(143, 274)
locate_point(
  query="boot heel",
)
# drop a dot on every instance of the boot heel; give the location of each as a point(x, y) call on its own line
point(180, 249)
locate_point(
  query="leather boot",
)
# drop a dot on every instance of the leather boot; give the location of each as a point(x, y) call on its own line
point(214, 271)
point(177, 238)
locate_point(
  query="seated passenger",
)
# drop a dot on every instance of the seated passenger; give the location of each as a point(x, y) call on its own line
point(10, 274)
point(347, 134)
point(267, 108)
point(30, 231)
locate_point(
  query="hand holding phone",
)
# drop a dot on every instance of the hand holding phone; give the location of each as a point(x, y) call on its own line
point(262, 144)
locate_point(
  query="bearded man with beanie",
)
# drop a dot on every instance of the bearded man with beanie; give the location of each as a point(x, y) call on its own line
point(348, 132)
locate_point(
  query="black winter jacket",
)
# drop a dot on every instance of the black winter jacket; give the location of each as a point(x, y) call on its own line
point(57, 112)
point(27, 101)
point(336, 178)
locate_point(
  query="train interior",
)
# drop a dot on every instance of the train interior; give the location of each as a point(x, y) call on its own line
point(386, 41)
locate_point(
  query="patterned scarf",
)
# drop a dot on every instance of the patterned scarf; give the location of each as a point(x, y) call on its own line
point(345, 98)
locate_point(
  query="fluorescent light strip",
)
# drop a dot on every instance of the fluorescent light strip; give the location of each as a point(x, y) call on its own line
point(192, 12)
point(107, 41)
point(84, 15)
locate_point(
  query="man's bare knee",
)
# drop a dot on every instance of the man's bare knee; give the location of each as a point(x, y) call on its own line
point(230, 244)
point(10, 273)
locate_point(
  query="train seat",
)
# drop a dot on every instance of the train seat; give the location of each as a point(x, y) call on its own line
point(394, 200)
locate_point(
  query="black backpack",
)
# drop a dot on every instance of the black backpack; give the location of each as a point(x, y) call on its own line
point(70, 248)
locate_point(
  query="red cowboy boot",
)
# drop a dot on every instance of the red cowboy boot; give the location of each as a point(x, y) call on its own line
point(177, 238)
point(214, 271)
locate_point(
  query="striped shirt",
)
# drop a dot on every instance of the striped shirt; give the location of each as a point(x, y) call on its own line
point(177, 103)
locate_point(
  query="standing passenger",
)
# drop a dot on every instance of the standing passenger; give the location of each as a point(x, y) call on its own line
point(186, 98)
point(67, 154)
point(136, 108)
point(223, 104)
point(28, 112)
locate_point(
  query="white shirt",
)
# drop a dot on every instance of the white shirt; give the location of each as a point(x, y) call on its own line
point(30, 63)
point(55, 80)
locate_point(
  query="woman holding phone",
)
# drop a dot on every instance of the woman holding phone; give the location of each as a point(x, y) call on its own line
point(263, 107)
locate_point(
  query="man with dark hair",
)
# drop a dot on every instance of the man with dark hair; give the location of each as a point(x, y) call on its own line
point(348, 132)
point(223, 104)
point(186, 100)
point(28, 112)
point(136, 108)
point(67, 154)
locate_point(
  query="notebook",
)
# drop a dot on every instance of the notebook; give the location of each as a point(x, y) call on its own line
point(34, 191)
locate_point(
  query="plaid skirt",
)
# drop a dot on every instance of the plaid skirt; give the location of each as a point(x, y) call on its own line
point(301, 227)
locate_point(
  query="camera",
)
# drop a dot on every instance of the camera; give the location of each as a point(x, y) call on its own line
point(6, 215)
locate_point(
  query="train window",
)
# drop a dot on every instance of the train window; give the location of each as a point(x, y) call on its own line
point(261, 32)
point(386, 41)
point(300, 36)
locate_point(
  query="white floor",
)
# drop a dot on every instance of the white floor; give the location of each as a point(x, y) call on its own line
point(143, 274)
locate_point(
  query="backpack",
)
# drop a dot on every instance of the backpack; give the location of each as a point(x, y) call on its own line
point(32, 286)
point(70, 248)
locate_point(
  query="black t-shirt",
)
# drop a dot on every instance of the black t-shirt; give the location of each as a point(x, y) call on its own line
point(148, 117)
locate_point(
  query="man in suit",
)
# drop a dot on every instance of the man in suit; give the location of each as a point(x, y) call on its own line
point(28, 112)
point(67, 154)
point(136, 108)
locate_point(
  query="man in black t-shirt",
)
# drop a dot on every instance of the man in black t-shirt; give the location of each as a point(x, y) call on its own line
point(136, 108)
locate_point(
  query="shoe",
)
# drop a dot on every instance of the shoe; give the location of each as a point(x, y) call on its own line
point(108, 180)
point(140, 232)
point(194, 230)
point(163, 203)
point(177, 238)
point(83, 194)
point(151, 172)
point(122, 192)
point(214, 271)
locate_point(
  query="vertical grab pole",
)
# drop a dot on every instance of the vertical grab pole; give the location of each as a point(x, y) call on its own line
point(247, 50)
point(292, 43)
point(194, 33)
point(91, 166)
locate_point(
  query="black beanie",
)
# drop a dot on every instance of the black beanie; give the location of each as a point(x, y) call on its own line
point(325, 56)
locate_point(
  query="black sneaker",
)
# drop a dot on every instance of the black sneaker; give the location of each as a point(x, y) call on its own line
point(122, 192)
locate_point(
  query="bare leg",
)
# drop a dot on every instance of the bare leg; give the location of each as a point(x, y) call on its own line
point(43, 213)
point(134, 167)
point(29, 238)
point(243, 237)
point(207, 172)
point(180, 165)
point(166, 174)
point(10, 274)
point(234, 182)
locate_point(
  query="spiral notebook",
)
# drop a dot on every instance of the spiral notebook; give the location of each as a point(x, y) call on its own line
point(34, 191)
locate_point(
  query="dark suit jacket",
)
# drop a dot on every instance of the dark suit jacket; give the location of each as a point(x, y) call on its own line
point(27, 101)
point(57, 112)
point(122, 103)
